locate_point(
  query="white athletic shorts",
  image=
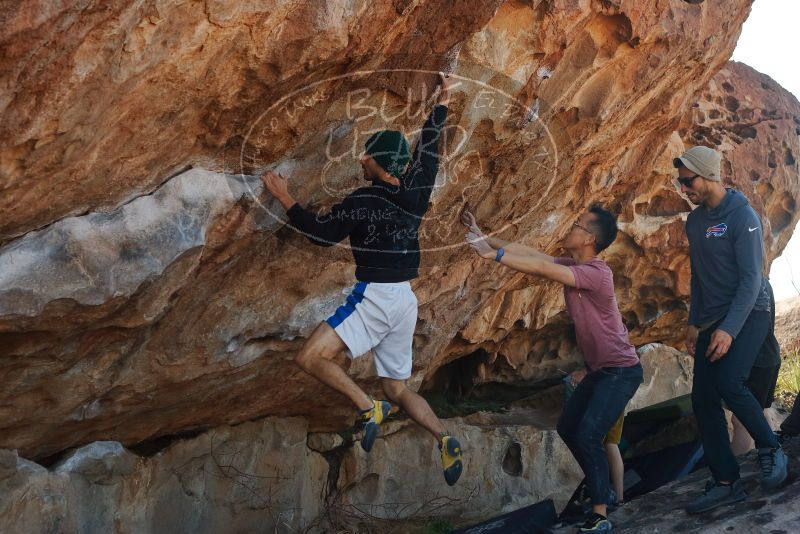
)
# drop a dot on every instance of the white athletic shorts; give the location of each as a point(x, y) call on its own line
point(381, 317)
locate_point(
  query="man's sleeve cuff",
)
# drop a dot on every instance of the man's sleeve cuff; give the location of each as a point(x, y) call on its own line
point(727, 330)
point(294, 209)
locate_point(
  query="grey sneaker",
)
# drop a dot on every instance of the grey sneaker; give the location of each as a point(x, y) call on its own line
point(773, 464)
point(715, 495)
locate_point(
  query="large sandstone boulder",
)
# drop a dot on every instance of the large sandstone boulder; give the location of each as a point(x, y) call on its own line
point(274, 475)
point(667, 374)
point(139, 299)
point(755, 123)
point(262, 476)
point(512, 459)
point(507, 466)
point(231, 479)
point(150, 292)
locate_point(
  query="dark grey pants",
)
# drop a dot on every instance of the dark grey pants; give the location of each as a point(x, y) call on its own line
point(725, 380)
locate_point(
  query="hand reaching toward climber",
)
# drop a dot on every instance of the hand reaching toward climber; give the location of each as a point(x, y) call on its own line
point(480, 245)
point(468, 220)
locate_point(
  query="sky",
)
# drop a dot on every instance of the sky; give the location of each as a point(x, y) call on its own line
point(768, 37)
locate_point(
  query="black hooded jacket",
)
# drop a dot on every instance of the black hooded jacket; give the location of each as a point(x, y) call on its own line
point(382, 220)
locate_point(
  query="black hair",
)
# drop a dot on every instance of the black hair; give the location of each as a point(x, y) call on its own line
point(604, 226)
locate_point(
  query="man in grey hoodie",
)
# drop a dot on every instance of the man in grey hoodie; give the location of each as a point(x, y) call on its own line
point(728, 322)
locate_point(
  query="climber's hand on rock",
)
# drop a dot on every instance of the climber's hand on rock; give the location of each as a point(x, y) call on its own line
point(278, 187)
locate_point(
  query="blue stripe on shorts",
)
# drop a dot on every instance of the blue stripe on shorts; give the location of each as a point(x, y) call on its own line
point(345, 310)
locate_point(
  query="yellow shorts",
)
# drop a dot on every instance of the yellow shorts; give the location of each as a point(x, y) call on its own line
point(615, 433)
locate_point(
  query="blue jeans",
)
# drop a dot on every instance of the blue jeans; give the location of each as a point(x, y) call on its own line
point(725, 380)
point(589, 414)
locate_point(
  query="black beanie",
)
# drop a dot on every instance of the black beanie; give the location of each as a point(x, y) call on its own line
point(390, 150)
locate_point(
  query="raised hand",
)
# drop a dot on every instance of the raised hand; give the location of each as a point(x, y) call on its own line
point(444, 91)
point(468, 220)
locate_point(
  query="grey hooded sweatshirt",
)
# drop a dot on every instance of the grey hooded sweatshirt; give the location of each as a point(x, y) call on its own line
point(726, 248)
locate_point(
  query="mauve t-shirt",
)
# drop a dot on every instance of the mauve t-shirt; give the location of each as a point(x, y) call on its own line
point(602, 336)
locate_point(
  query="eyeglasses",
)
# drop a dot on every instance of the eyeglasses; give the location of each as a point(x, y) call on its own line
point(687, 181)
point(582, 228)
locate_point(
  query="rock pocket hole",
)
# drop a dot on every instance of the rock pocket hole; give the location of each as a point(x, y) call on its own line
point(512, 461)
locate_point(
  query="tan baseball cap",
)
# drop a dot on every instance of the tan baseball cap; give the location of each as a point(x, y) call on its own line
point(701, 160)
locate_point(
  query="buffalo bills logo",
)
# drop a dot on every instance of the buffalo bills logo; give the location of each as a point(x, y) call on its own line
point(716, 230)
